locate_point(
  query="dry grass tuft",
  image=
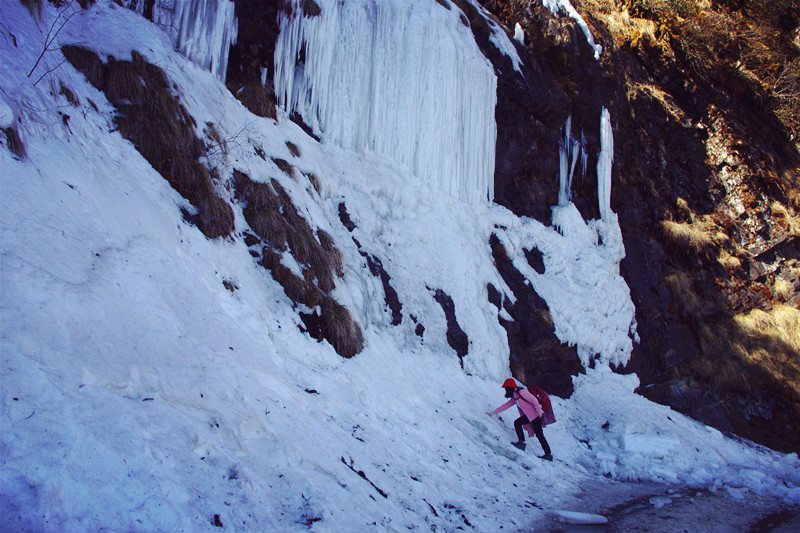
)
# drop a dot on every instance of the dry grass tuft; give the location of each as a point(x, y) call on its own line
point(69, 95)
point(293, 149)
point(340, 329)
point(33, 6)
point(782, 216)
point(284, 165)
point(728, 261)
point(314, 180)
point(15, 144)
point(161, 130)
point(700, 236)
point(269, 210)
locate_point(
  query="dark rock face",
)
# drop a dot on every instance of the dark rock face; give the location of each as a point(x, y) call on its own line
point(700, 162)
point(456, 337)
point(254, 50)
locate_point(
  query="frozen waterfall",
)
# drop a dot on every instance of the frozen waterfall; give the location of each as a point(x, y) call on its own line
point(203, 30)
point(401, 81)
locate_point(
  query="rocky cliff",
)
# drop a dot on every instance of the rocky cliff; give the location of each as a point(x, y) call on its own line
point(704, 99)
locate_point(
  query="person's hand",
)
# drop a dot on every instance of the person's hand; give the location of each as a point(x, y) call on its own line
point(490, 413)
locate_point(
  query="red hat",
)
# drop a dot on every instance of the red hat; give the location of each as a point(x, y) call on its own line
point(510, 383)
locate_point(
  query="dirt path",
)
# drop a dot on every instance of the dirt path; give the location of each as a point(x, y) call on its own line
point(655, 508)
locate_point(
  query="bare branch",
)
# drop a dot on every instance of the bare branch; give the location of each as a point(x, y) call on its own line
point(51, 35)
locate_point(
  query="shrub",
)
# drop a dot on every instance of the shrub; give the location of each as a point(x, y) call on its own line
point(700, 236)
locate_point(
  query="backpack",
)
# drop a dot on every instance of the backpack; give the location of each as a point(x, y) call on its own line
point(541, 395)
point(547, 407)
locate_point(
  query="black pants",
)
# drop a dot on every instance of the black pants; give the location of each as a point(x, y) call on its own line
point(537, 429)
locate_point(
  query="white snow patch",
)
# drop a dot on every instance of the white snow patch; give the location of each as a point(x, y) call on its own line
point(6, 114)
point(519, 34)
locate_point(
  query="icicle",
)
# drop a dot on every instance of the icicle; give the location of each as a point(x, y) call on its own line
point(568, 150)
point(401, 80)
point(207, 29)
point(604, 162)
point(203, 30)
point(584, 156)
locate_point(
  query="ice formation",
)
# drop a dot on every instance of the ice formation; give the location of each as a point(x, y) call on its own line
point(203, 30)
point(519, 34)
point(401, 81)
point(604, 162)
point(568, 150)
point(564, 5)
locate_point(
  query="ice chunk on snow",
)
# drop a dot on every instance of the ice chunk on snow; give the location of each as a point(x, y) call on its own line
point(650, 445)
point(660, 501)
point(575, 517)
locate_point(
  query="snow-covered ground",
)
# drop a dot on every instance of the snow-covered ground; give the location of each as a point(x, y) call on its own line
point(137, 393)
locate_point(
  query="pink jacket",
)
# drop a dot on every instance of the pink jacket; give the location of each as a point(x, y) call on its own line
point(527, 404)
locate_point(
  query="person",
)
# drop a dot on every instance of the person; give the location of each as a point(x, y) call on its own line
point(530, 418)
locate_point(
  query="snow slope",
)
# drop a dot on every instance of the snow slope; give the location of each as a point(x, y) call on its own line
point(137, 393)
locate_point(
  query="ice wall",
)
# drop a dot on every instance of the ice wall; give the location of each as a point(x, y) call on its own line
point(402, 81)
point(203, 30)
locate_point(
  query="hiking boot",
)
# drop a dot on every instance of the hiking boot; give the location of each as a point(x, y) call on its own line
point(547, 457)
point(519, 444)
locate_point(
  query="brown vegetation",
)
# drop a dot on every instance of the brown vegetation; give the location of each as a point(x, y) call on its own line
point(259, 99)
point(160, 128)
point(271, 214)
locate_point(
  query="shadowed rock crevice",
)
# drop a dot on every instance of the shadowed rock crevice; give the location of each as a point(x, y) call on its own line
point(456, 337)
point(536, 355)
